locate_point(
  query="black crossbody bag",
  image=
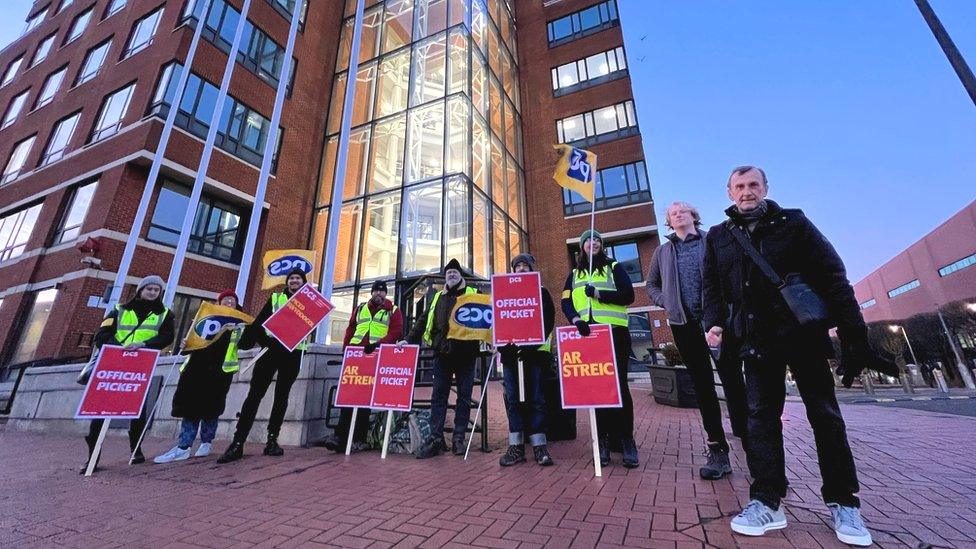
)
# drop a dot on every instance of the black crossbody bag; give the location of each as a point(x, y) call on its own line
point(808, 307)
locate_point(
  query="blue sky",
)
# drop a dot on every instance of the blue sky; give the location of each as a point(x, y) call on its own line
point(850, 106)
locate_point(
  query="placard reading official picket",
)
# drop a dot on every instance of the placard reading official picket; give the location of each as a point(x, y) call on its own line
point(118, 384)
point(355, 387)
point(301, 314)
point(587, 368)
point(395, 375)
point(516, 304)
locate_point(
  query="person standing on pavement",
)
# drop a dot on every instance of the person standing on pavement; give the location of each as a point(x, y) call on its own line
point(748, 316)
point(529, 416)
point(141, 322)
point(451, 357)
point(201, 392)
point(601, 296)
point(376, 322)
point(279, 363)
point(674, 282)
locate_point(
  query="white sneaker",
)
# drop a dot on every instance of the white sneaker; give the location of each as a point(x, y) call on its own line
point(849, 526)
point(756, 519)
point(176, 454)
point(203, 450)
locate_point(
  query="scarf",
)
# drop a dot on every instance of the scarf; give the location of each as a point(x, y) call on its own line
point(752, 217)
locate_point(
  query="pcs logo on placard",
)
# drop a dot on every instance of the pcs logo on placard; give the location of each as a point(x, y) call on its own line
point(283, 265)
point(475, 316)
point(209, 326)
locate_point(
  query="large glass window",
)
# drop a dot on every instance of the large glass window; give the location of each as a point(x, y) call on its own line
point(598, 126)
point(381, 236)
point(78, 26)
point(113, 111)
point(34, 22)
point(420, 235)
point(392, 84)
point(74, 214)
point(626, 254)
point(386, 154)
point(43, 49)
point(217, 230)
point(114, 6)
point(429, 70)
point(583, 23)
point(93, 62)
point(967, 261)
point(397, 24)
point(143, 33)
point(616, 186)
point(12, 68)
point(15, 231)
point(14, 109)
point(431, 17)
point(17, 161)
point(457, 227)
point(426, 149)
point(57, 145)
point(32, 332)
point(51, 86)
point(347, 255)
point(588, 71)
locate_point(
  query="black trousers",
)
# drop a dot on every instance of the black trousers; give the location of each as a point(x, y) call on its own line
point(135, 430)
point(766, 393)
point(286, 366)
point(361, 428)
point(617, 423)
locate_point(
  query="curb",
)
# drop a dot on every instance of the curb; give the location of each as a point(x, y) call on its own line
point(909, 399)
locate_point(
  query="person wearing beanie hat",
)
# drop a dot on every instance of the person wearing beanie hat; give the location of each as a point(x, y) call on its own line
point(528, 417)
point(201, 392)
point(277, 364)
point(600, 295)
point(143, 321)
point(376, 322)
point(452, 358)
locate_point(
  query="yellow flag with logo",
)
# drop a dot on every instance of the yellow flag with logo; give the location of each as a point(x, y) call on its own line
point(277, 264)
point(210, 323)
point(576, 171)
point(471, 318)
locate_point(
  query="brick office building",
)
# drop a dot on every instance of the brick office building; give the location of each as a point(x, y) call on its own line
point(457, 105)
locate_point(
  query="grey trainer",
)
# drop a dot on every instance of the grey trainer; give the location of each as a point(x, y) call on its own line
point(849, 525)
point(756, 519)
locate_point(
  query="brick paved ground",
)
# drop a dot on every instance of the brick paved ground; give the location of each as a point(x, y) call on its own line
point(916, 468)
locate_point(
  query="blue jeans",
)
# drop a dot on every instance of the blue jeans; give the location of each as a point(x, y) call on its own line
point(460, 366)
point(188, 431)
point(529, 416)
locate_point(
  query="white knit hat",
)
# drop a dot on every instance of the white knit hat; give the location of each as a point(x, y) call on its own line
point(151, 279)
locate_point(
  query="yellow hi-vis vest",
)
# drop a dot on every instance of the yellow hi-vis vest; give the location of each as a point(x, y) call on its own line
point(231, 363)
point(601, 313)
point(128, 330)
point(278, 300)
point(430, 312)
point(377, 326)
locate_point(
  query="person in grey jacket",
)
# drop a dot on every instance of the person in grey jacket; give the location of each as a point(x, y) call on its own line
point(675, 283)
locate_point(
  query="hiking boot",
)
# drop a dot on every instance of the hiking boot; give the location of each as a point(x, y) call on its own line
point(756, 519)
point(542, 457)
point(515, 454)
point(631, 459)
point(204, 450)
point(849, 526)
point(334, 443)
point(233, 452)
point(604, 452)
point(457, 446)
point(718, 464)
point(272, 448)
point(430, 448)
point(175, 454)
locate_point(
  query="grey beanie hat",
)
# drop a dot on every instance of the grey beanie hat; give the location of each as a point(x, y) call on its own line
point(151, 279)
point(526, 258)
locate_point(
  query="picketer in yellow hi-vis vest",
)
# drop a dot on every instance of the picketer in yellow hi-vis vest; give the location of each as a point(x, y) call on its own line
point(601, 296)
point(143, 321)
point(278, 364)
point(201, 392)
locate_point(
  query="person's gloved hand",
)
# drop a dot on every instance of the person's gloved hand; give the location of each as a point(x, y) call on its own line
point(369, 348)
point(582, 327)
point(590, 291)
point(856, 355)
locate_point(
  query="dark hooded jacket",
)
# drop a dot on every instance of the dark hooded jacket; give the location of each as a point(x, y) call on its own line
point(255, 333)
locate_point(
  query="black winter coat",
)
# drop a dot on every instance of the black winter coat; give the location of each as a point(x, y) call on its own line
point(753, 314)
point(441, 344)
point(202, 389)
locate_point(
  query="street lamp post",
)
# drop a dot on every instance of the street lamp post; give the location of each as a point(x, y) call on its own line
point(906, 381)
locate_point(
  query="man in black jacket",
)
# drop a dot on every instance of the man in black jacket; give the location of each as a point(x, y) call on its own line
point(747, 315)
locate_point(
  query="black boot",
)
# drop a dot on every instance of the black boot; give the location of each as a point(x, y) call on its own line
point(630, 452)
point(234, 452)
point(272, 448)
point(433, 446)
point(138, 457)
point(334, 443)
point(604, 452)
point(515, 454)
point(457, 445)
point(718, 464)
point(542, 456)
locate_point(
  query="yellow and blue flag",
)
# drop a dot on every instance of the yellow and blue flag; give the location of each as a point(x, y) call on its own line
point(471, 319)
point(210, 323)
point(277, 264)
point(576, 170)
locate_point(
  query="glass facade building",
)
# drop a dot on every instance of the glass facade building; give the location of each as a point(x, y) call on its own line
point(435, 161)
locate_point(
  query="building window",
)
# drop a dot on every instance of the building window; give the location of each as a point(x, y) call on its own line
point(64, 4)
point(967, 261)
point(33, 22)
point(17, 161)
point(598, 126)
point(57, 145)
point(114, 6)
point(78, 26)
point(626, 254)
point(216, 231)
point(43, 49)
point(15, 231)
point(12, 68)
point(51, 86)
point(14, 109)
point(583, 23)
point(112, 113)
point(904, 288)
point(142, 33)
point(32, 333)
point(74, 214)
point(93, 62)
point(584, 73)
point(184, 310)
point(869, 303)
point(615, 187)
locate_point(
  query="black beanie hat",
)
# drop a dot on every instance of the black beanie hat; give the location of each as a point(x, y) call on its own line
point(300, 272)
point(379, 285)
point(452, 264)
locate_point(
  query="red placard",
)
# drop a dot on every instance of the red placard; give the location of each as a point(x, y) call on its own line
point(395, 375)
point(516, 306)
point(587, 368)
point(355, 389)
point(118, 384)
point(292, 323)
